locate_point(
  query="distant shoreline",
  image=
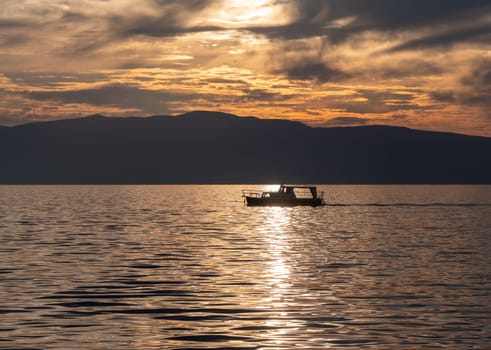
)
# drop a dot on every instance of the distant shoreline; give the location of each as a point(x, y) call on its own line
point(220, 148)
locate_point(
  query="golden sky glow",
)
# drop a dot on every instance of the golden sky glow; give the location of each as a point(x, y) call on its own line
point(421, 64)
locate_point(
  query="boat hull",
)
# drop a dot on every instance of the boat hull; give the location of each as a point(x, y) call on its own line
point(283, 202)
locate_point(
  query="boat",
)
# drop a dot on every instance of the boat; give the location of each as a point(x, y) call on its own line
point(285, 196)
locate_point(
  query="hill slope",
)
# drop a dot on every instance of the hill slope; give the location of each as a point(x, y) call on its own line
point(212, 147)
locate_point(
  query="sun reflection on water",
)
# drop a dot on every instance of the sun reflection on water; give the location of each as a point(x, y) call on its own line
point(278, 273)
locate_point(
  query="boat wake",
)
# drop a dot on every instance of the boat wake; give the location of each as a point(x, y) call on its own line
point(408, 204)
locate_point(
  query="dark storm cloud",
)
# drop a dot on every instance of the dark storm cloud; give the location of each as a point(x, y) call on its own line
point(475, 34)
point(53, 79)
point(343, 121)
point(346, 121)
point(318, 18)
point(474, 97)
point(478, 83)
point(368, 101)
point(8, 23)
point(72, 16)
point(14, 40)
point(225, 81)
point(10, 118)
point(390, 14)
point(12, 33)
point(479, 77)
point(95, 31)
point(399, 117)
point(443, 96)
point(475, 89)
point(313, 71)
point(188, 5)
point(260, 95)
point(155, 27)
point(407, 68)
point(384, 101)
point(435, 23)
point(170, 19)
point(116, 95)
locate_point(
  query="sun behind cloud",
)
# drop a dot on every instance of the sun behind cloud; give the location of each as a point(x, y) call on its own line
point(237, 13)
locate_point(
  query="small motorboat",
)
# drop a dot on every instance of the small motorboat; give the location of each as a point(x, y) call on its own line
point(285, 196)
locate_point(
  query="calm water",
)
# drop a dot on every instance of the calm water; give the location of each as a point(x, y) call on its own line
point(189, 267)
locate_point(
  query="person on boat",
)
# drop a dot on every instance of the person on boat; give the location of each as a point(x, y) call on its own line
point(313, 190)
point(288, 192)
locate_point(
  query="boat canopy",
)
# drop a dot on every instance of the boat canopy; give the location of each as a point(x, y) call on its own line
point(291, 188)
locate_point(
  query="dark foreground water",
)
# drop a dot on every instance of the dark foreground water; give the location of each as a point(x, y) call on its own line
point(189, 267)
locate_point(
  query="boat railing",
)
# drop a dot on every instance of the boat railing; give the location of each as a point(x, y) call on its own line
point(252, 193)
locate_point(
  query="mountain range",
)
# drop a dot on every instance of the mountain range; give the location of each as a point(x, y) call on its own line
point(214, 147)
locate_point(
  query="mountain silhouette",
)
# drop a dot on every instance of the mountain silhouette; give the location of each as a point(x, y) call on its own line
point(213, 147)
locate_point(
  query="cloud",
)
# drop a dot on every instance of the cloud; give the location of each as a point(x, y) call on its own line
point(338, 19)
point(440, 40)
point(169, 18)
point(8, 118)
point(478, 87)
point(135, 98)
point(318, 71)
point(279, 58)
point(116, 95)
point(474, 91)
point(389, 14)
point(365, 102)
point(54, 79)
point(225, 81)
point(9, 23)
point(443, 96)
point(405, 67)
point(385, 27)
point(258, 95)
point(480, 77)
point(346, 121)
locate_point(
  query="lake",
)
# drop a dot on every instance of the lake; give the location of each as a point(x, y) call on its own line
point(191, 267)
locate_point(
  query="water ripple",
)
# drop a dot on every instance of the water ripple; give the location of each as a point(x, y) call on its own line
point(172, 267)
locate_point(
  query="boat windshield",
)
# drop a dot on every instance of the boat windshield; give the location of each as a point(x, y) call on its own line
point(299, 191)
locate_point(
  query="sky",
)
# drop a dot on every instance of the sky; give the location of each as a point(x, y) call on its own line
point(423, 64)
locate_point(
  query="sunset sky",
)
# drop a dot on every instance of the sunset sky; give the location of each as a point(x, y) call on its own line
point(421, 64)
